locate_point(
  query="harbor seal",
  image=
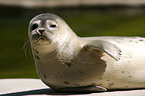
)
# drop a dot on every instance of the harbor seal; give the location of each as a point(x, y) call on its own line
point(68, 63)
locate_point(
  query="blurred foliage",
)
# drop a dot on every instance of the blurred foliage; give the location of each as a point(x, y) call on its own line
point(14, 26)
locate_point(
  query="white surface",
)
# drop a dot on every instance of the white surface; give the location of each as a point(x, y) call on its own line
point(34, 87)
point(17, 85)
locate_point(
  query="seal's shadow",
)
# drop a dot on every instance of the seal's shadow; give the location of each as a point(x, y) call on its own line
point(48, 91)
point(39, 92)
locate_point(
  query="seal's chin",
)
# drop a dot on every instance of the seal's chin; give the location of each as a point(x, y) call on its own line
point(41, 39)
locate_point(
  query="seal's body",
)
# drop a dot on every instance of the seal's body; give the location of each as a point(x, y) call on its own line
point(66, 62)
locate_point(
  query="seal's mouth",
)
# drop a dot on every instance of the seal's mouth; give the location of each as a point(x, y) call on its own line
point(40, 39)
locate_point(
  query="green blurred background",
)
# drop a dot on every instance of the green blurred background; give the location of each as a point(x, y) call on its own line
point(85, 21)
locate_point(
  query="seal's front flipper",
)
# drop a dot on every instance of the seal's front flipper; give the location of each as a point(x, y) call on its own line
point(106, 47)
point(85, 89)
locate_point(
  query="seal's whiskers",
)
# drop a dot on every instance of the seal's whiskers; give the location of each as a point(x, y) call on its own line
point(25, 47)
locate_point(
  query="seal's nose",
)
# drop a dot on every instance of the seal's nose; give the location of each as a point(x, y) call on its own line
point(41, 31)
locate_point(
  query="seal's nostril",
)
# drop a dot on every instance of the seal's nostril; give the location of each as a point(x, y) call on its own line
point(41, 31)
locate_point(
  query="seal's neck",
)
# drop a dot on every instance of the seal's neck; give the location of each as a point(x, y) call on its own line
point(68, 49)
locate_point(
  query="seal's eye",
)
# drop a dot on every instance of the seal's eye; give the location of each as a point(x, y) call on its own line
point(53, 26)
point(34, 26)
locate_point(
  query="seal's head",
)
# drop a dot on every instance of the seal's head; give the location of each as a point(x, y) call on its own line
point(48, 29)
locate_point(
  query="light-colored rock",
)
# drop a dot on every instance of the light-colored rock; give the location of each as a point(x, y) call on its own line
point(34, 87)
